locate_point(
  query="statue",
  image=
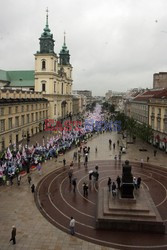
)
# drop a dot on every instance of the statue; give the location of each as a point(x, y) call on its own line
point(127, 186)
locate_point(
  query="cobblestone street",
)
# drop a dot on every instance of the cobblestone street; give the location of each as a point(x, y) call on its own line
point(18, 208)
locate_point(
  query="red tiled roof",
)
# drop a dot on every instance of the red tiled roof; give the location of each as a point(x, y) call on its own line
point(154, 93)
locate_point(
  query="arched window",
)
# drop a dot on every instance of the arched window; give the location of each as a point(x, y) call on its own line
point(62, 88)
point(55, 109)
point(43, 64)
point(54, 65)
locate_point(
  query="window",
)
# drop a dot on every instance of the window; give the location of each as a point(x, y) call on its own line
point(55, 110)
point(28, 118)
point(43, 64)
point(1, 111)
point(54, 65)
point(27, 107)
point(62, 88)
point(10, 123)
point(17, 121)
point(10, 139)
point(10, 110)
point(22, 120)
point(158, 125)
point(43, 87)
point(31, 107)
point(22, 108)
point(2, 125)
point(43, 114)
point(40, 115)
point(159, 111)
point(36, 116)
point(54, 87)
point(16, 109)
point(32, 117)
point(3, 144)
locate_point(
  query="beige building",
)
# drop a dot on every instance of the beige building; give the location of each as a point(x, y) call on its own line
point(158, 119)
point(21, 112)
point(53, 75)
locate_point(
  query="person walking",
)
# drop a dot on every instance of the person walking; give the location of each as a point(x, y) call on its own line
point(64, 162)
point(29, 179)
point(118, 180)
point(155, 152)
point(72, 226)
point(109, 184)
point(86, 160)
point(18, 179)
point(114, 189)
point(13, 235)
point(148, 158)
point(138, 182)
point(74, 183)
point(70, 173)
point(85, 189)
point(33, 188)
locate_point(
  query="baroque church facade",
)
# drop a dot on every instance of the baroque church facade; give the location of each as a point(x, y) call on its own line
point(53, 75)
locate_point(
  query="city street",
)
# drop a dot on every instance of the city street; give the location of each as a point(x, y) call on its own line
point(34, 231)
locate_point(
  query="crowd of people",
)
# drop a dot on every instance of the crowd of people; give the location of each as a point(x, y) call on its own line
point(15, 160)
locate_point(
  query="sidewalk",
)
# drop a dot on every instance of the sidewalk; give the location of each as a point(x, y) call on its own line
point(17, 206)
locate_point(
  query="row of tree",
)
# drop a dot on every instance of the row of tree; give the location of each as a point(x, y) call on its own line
point(133, 128)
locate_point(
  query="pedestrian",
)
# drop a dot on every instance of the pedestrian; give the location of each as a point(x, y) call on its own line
point(90, 174)
point(109, 184)
point(148, 158)
point(141, 162)
point(155, 152)
point(64, 162)
point(86, 160)
point(70, 173)
point(13, 235)
point(118, 180)
point(138, 182)
point(39, 168)
point(135, 182)
point(115, 158)
point(74, 183)
point(118, 142)
point(114, 189)
point(79, 158)
point(72, 226)
point(110, 142)
point(29, 179)
point(18, 179)
point(85, 189)
point(96, 149)
point(33, 188)
point(119, 156)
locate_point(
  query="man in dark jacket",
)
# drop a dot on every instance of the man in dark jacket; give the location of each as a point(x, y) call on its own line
point(13, 235)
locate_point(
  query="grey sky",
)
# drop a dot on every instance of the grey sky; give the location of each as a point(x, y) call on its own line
point(114, 44)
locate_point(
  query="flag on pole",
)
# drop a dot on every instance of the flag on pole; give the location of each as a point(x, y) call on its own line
point(8, 154)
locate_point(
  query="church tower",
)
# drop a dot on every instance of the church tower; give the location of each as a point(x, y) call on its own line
point(52, 78)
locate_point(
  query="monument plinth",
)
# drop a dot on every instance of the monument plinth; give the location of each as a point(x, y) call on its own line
point(127, 186)
point(130, 210)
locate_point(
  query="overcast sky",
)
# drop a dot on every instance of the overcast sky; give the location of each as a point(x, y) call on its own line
point(114, 44)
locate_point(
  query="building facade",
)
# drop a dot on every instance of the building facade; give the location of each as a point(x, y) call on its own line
point(21, 113)
point(53, 75)
point(158, 119)
point(160, 80)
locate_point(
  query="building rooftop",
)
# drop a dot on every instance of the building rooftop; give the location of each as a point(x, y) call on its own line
point(18, 78)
